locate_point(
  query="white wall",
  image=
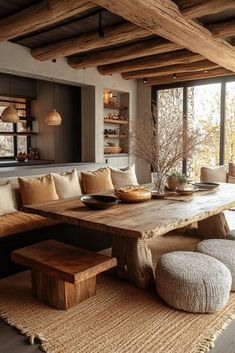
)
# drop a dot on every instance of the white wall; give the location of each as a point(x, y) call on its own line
point(18, 60)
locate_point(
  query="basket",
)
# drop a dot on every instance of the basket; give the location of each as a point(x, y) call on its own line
point(112, 149)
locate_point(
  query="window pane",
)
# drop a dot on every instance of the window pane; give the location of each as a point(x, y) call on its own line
point(6, 146)
point(204, 115)
point(230, 123)
point(170, 105)
point(22, 143)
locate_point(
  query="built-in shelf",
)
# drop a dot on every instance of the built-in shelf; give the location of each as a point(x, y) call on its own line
point(121, 154)
point(111, 121)
point(21, 133)
point(111, 106)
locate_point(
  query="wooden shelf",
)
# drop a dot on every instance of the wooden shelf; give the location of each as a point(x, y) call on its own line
point(111, 106)
point(110, 121)
point(11, 133)
point(111, 136)
point(115, 136)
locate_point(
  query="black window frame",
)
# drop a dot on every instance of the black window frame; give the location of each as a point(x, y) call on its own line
point(222, 80)
point(16, 133)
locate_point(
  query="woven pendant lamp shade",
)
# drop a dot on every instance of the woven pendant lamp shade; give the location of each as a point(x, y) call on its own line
point(53, 118)
point(10, 115)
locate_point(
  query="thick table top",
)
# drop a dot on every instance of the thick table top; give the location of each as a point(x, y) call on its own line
point(142, 220)
point(62, 261)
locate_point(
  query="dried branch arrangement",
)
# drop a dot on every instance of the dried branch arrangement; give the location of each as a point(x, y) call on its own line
point(163, 142)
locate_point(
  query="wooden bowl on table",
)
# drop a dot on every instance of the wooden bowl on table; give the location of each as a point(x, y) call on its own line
point(133, 194)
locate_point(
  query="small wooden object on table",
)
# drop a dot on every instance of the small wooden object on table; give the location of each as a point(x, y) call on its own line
point(62, 275)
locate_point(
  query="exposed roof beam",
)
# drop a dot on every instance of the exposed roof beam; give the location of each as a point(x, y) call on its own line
point(122, 53)
point(169, 70)
point(39, 15)
point(178, 57)
point(182, 77)
point(113, 35)
point(163, 18)
point(206, 7)
point(223, 29)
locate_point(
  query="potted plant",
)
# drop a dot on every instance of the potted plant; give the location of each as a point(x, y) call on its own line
point(182, 180)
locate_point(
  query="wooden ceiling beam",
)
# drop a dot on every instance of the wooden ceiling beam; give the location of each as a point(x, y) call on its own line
point(178, 57)
point(113, 35)
point(126, 52)
point(170, 70)
point(206, 7)
point(40, 15)
point(223, 29)
point(163, 18)
point(183, 77)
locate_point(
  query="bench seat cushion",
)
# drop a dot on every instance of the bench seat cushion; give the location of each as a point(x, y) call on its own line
point(19, 222)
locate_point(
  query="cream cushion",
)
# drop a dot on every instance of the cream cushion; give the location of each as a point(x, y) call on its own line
point(125, 176)
point(96, 181)
point(67, 184)
point(37, 190)
point(223, 250)
point(7, 203)
point(192, 281)
point(215, 174)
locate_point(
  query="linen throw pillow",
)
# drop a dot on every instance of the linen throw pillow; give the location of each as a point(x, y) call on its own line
point(67, 184)
point(216, 174)
point(96, 181)
point(7, 203)
point(37, 190)
point(124, 176)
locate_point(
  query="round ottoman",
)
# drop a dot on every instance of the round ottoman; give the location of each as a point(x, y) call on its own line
point(231, 234)
point(192, 281)
point(221, 249)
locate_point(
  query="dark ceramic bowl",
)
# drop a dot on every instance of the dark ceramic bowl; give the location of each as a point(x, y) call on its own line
point(99, 202)
point(206, 185)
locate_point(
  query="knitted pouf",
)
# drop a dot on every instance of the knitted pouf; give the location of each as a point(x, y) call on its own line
point(231, 235)
point(221, 249)
point(192, 281)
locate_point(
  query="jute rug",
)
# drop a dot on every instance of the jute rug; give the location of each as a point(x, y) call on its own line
point(119, 319)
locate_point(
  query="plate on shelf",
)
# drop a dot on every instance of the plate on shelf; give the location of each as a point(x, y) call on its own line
point(206, 185)
point(99, 202)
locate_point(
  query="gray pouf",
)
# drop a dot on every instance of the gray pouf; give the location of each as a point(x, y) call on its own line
point(192, 281)
point(231, 235)
point(221, 249)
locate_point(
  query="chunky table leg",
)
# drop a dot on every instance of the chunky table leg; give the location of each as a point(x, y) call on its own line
point(134, 260)
point(60, 294)
point(213, 227)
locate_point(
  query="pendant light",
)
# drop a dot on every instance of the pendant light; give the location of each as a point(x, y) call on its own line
point(9, 114)
point(53, 118)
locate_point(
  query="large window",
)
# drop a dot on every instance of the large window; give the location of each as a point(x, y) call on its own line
point(14, 137)
point(209, 108)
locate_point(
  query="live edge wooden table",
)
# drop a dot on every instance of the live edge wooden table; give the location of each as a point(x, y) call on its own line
point(131, 224)
point(62, 275)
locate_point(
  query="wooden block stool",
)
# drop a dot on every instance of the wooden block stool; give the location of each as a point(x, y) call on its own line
point(62, 275)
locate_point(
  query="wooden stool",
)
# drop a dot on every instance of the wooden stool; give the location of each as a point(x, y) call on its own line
point(62, 275)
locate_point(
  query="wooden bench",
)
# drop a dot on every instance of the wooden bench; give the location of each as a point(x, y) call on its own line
point(62, 275)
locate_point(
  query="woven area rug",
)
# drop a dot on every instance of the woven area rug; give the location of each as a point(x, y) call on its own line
point(119, 319)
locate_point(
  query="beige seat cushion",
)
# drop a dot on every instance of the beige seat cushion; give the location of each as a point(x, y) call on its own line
point(7, 203)
point(21, 222)
point(37, 190)
point(96, 181)
point(67, 184)
point(125, 176)
point(215, 174)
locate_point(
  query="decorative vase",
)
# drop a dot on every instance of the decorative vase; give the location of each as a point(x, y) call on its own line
point(158, 181)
